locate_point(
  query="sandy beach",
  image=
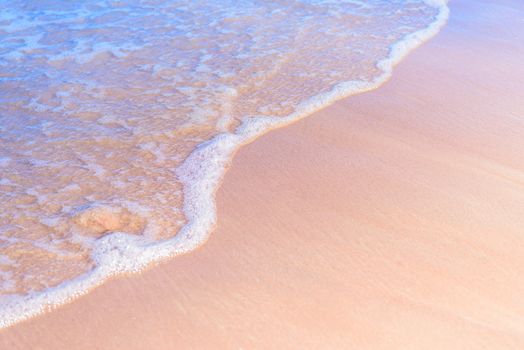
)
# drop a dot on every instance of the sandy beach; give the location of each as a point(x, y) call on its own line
point(390, 220)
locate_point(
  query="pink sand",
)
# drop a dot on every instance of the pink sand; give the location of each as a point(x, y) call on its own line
point(390, 220)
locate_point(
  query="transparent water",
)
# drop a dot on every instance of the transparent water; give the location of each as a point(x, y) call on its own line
point(118, 119)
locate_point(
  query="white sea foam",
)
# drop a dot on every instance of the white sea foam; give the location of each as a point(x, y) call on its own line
point(123, 233)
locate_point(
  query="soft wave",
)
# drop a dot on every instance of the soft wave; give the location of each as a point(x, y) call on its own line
point(115, 138)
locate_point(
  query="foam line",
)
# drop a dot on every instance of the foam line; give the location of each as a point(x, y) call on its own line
point(201, 174)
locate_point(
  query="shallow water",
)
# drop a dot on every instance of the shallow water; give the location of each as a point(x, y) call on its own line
point(118, 118)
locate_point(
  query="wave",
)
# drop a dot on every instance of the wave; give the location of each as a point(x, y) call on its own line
point(124, 236)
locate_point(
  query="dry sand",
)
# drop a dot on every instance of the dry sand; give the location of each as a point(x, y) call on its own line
point(390, 220)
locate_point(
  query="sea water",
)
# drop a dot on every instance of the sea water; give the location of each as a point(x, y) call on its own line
point(118, 119)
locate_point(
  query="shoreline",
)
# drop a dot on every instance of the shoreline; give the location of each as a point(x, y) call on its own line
point(432, 143)
point(201, 174)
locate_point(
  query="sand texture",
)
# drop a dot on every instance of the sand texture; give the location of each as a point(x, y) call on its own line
point(390, 220)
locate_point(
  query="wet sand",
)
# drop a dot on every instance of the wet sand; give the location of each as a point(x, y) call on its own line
point(390, 220)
